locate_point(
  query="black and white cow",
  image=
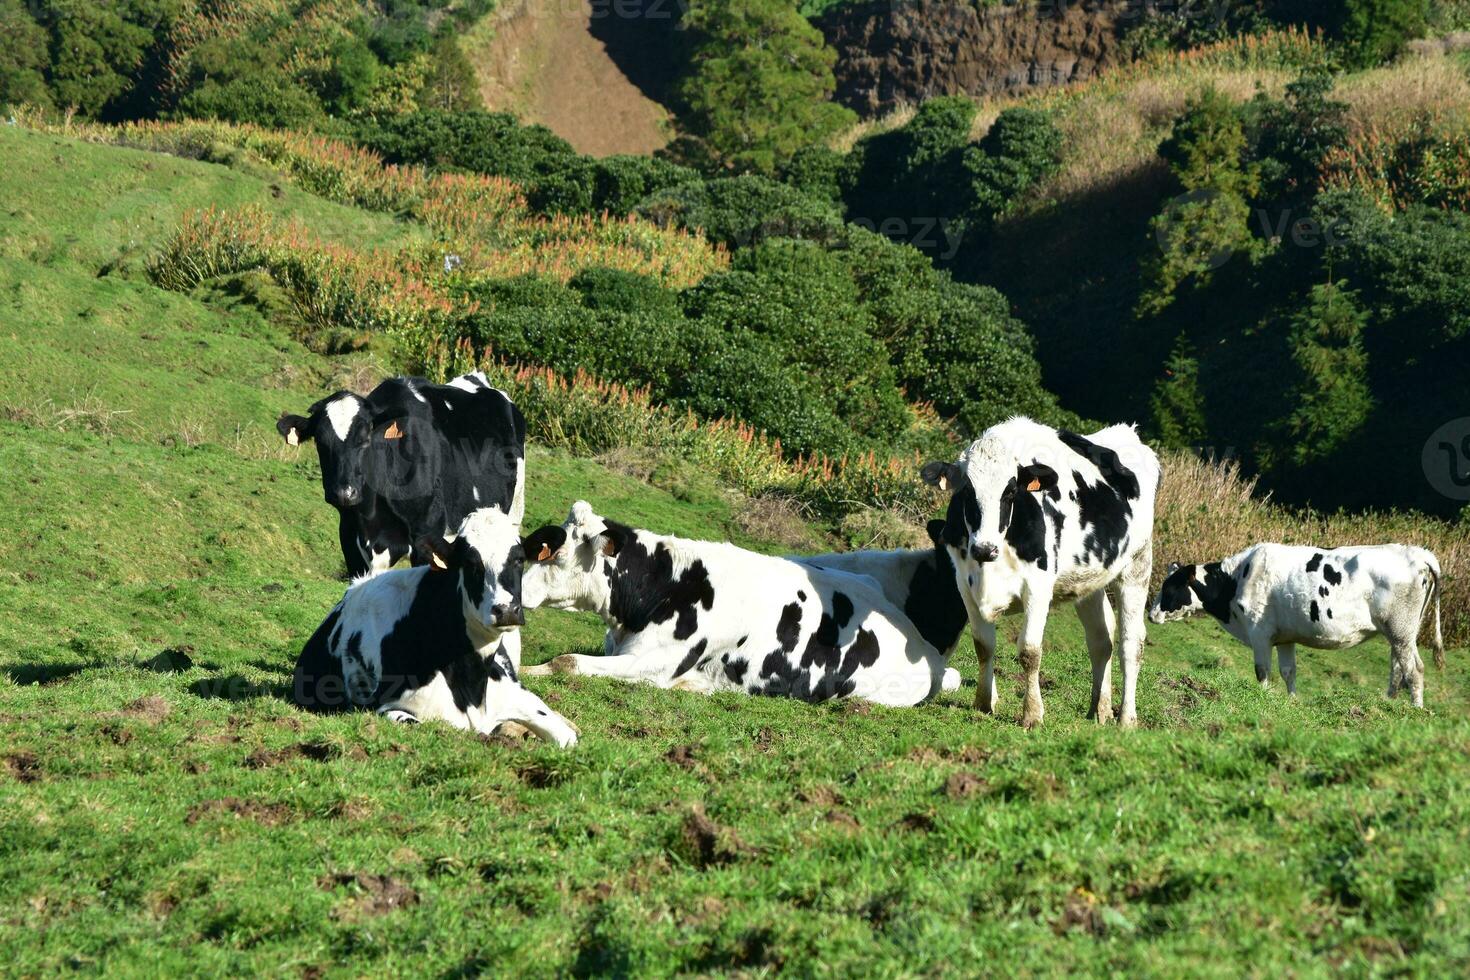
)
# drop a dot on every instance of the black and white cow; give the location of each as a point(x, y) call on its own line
point(429, 643)
point(919, 581)
point(1040, 515)
point(1275, 595)
point(707, 616)
point(411, 460)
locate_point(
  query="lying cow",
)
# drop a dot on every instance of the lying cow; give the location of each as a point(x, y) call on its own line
point(919, 581)
point(704, 616)
point(1275, 595)
point(1039, 515)
point(409, 461)
point(430, 643)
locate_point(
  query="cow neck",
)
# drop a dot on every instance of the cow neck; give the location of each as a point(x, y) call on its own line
point(642, 587)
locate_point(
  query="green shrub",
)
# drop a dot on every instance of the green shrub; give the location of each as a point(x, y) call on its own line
point(621, 183)
point(23, 59)
point(623, 292)
point(1021, 148)
point(1330, 399)
point(1177, 405)
point(482, 142)
point(1373, 31)
point(741, 211)
point(1290, 138)
point(818, 172)
point(758, 84)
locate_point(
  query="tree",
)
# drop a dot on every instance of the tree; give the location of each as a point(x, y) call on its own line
point(1200, 229)
point(1332, 397)
point(451, 84)
point(1177, 405)
point(22, 57)
point(759, 83)
point(1373, 31)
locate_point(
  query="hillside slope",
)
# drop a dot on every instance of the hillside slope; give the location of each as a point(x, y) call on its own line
point(163, 808)
point(550, 62)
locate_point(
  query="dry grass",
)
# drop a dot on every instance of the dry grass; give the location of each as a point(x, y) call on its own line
point(780, 520)
point(1398, 96)
point(1209, 510)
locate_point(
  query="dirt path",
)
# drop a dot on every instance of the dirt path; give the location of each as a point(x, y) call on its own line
point(541, 60)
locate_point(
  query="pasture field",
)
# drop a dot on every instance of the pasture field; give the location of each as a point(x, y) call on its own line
point(163, 808)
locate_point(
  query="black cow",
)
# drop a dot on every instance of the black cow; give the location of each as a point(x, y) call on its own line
point(411, 460)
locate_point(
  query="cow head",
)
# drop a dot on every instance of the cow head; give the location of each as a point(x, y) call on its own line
point(340, 426)
point(567, 562)
point(1191, 589)
point(996, 490)
point(486, 554)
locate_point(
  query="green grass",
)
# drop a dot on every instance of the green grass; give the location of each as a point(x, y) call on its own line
point(155, 820)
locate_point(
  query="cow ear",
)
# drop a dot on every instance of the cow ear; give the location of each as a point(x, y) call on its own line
point(1036, 477)
point(936, 531)
point(1173, 567)
point(294, 429)
point(613, 540)
point(945, 476)
point(545, 543)
point(438, 552)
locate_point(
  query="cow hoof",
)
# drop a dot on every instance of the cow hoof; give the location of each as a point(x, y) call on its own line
point(401, 716)
point(512, 729)
point(565, 664)
point(1130, 722)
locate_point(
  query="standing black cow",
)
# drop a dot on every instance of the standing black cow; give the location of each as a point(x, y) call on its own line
point(411, 460)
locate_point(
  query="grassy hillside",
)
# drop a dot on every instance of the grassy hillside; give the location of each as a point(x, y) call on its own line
point(163, 808)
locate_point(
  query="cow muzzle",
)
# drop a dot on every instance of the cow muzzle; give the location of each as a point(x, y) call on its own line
point(983, 553)
point(348, 496)
point(511, 614)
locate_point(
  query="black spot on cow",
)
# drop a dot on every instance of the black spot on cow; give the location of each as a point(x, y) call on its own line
point(1329, 614)
point(1216, 592)
point(1175, 593)
point(841, 609)
point(1103, 513)
point(821, 647)
point(1026, 533)
point(1316, 614)
point(962, 517)
point(646, 591)
point(691, 658)
point(933, 603)
point(735, 670)
point(1114, 473)
point(741, 642)
point(862, 652)
point(1322, 591)
point(801, 595)
point(1332, 575)
point(788, 629)
point(1245, 571)
point(1314, 562)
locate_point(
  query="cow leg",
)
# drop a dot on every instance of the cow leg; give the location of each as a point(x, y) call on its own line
point(1132, 592)
point(1406, 670)
point(1286, 664)
point(351, 542)
point(510, 645)
point(654, 667)
point(1262, 651)
point(1096, 613)
point(985, 693)
point(507, 701)
point(1037, 604)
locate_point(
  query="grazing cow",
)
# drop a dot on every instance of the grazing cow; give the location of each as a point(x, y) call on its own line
point(409, 461)
point(1039, 515)
point(921, 582)
point(431, 643)
point(1275, 595)
point(704, 616)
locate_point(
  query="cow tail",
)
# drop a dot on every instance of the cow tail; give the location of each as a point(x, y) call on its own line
point(1432, 564)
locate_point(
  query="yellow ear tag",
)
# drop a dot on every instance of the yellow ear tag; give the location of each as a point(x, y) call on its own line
point(545, 552)
point(393, 431)
point(1034, 485)
point(439, 563)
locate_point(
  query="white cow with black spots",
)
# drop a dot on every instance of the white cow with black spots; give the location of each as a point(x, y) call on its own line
point(1282, 596)
point(708, 616)
point(1040, 515)
point(434, 643)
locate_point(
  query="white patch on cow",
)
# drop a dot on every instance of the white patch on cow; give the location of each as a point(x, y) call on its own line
point(473, 381)
point(475, 492)
point(490, 531)
point(341, 412)
point(518, 495)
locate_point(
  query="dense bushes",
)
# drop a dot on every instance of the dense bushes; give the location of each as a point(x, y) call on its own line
point(745, 210)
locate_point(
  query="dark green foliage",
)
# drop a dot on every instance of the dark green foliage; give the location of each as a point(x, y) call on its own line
point(351, 78)
point(621, 183)
point(23, 60)
point(483, 142)
point(818, 172)
point(624, 292)
point(1177, 405)
point(1289, 138)
point(1022, 148)
point(1374, 31)
point(1199, 229)
point(744, 210)
point(451, 85)
point(1331, 398)
point(758, 84)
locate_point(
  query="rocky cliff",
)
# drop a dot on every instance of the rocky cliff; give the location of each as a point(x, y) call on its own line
point(904, 51)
